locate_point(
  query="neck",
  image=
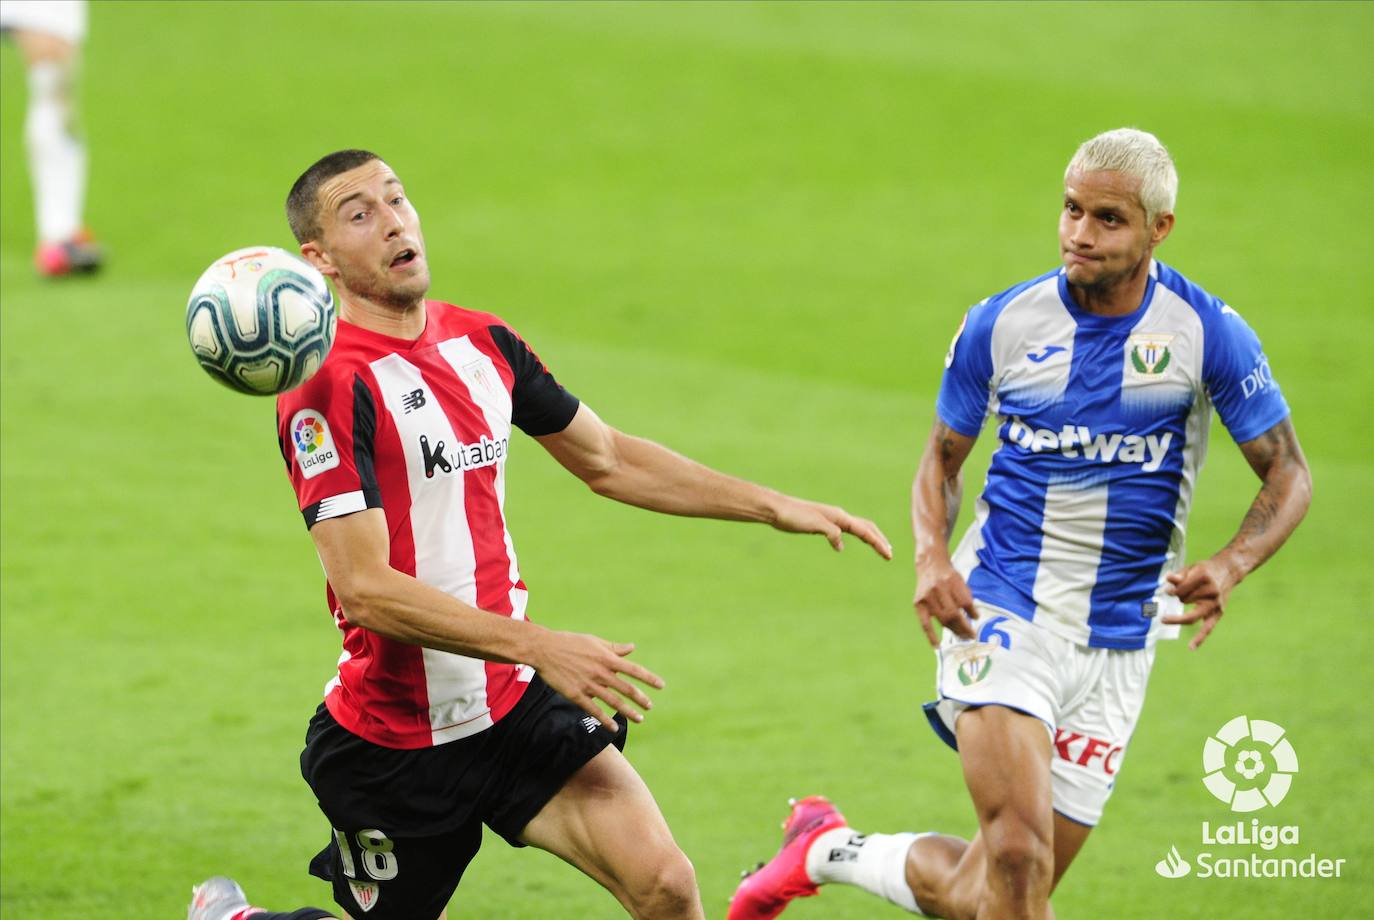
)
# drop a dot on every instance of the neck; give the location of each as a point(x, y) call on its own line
point(1115, 297)
point(401, 321)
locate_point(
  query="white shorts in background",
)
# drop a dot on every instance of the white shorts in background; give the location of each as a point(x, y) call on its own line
point(1088, 698)
point(65, 19)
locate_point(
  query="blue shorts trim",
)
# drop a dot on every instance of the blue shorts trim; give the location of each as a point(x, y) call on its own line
point(1073, 819)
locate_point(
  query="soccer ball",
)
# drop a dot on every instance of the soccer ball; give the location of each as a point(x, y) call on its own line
point(261, 320)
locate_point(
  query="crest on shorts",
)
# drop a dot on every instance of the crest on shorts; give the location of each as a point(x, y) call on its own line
point(1148, 355)
point(365, 893)
point(974, 663)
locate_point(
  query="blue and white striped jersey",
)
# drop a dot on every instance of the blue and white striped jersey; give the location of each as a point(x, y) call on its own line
point(1102, 428)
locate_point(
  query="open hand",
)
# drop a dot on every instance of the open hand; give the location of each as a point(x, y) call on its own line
point(586, 668)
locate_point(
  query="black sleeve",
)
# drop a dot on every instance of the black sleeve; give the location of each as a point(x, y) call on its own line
point(539, 405)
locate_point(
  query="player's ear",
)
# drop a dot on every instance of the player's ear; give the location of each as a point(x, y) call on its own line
point(1164, 224)
point(316, 256)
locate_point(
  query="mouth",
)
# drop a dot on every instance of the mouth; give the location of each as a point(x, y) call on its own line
point(404, 259)
point(1077, 258)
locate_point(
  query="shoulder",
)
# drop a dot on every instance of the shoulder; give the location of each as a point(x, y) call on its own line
point(331, 384)
point(1220, 322)
point(983, 316)
point(1206, 304)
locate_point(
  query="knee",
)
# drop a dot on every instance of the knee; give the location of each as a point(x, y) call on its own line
point(667, 890)
point(1020, 853)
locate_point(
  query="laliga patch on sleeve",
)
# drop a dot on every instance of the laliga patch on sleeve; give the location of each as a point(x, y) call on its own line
point(315, 450)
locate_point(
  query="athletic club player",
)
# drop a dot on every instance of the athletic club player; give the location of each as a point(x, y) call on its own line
point(450, 709)
point(1101, 378)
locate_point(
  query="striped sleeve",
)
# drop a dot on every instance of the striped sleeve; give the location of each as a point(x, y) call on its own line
point(327, 432)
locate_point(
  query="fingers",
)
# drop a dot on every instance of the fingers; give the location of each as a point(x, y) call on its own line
point(1207, 611)
point(928, 626)
point(1204, 631)
point(960, 623)
point(634, 669)
point(833, 523)
point(588, 671)
point(868, 531)
point(1186, 583)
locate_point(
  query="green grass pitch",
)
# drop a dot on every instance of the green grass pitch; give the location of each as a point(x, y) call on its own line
point(747, 231)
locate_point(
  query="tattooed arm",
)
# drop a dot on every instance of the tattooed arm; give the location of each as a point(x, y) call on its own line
point(1281, 503)
point(941, 593)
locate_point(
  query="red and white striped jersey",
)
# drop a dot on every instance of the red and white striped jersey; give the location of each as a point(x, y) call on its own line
point(421, 429)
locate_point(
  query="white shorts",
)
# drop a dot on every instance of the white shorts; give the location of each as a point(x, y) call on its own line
point(65, 19)
point(1088, 698)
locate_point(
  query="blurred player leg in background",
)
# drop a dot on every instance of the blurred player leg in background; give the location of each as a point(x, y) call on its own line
point(49, 34)
point(221, 898)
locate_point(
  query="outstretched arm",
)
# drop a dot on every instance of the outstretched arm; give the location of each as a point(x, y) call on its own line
point(1283, 499)
point(941, 593)
point(648, 475)
point(354, 550)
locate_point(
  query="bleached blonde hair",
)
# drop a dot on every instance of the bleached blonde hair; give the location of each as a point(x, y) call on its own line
point(1135, 153)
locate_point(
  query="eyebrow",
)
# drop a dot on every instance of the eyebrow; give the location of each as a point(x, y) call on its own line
point(362, 193)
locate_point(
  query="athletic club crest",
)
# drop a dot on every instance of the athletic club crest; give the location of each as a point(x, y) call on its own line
point(479, 374)
point(365, 893)
point(1148, 355)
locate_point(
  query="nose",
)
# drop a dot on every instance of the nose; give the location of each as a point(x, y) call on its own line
point(1080, 234)
point(394, 223)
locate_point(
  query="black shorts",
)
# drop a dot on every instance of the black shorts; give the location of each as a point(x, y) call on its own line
point(406, 823)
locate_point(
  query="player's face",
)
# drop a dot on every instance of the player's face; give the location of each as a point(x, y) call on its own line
point(370, 241)
point(1104, 236)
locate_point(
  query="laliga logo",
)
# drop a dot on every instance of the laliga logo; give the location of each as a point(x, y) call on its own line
point(1249, 764)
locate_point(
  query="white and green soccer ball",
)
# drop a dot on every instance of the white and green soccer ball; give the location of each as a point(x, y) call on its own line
point(261, 320)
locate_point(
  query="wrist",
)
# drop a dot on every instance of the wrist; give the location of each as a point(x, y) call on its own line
point(531, 640)
point(1232, 565)
point(928, 554)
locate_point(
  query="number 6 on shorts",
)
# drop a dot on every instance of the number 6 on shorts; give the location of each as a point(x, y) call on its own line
point(378, 861)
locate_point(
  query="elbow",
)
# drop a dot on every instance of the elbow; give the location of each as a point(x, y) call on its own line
point(601, 472)
point(1302, 489)
point(360, 599)
point(602, 482)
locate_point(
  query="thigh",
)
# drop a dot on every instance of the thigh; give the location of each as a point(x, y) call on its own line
point(1005, 755)
point(605, 822)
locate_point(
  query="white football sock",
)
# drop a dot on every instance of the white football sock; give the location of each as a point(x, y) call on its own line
point(57, 159)
point(876, 863)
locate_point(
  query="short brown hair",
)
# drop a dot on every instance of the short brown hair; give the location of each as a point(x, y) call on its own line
point(302, 202)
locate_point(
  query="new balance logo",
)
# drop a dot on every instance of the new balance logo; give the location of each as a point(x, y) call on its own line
point(589, 723)
point(1046, 354)
point(1074, 441)
point(412, 401)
